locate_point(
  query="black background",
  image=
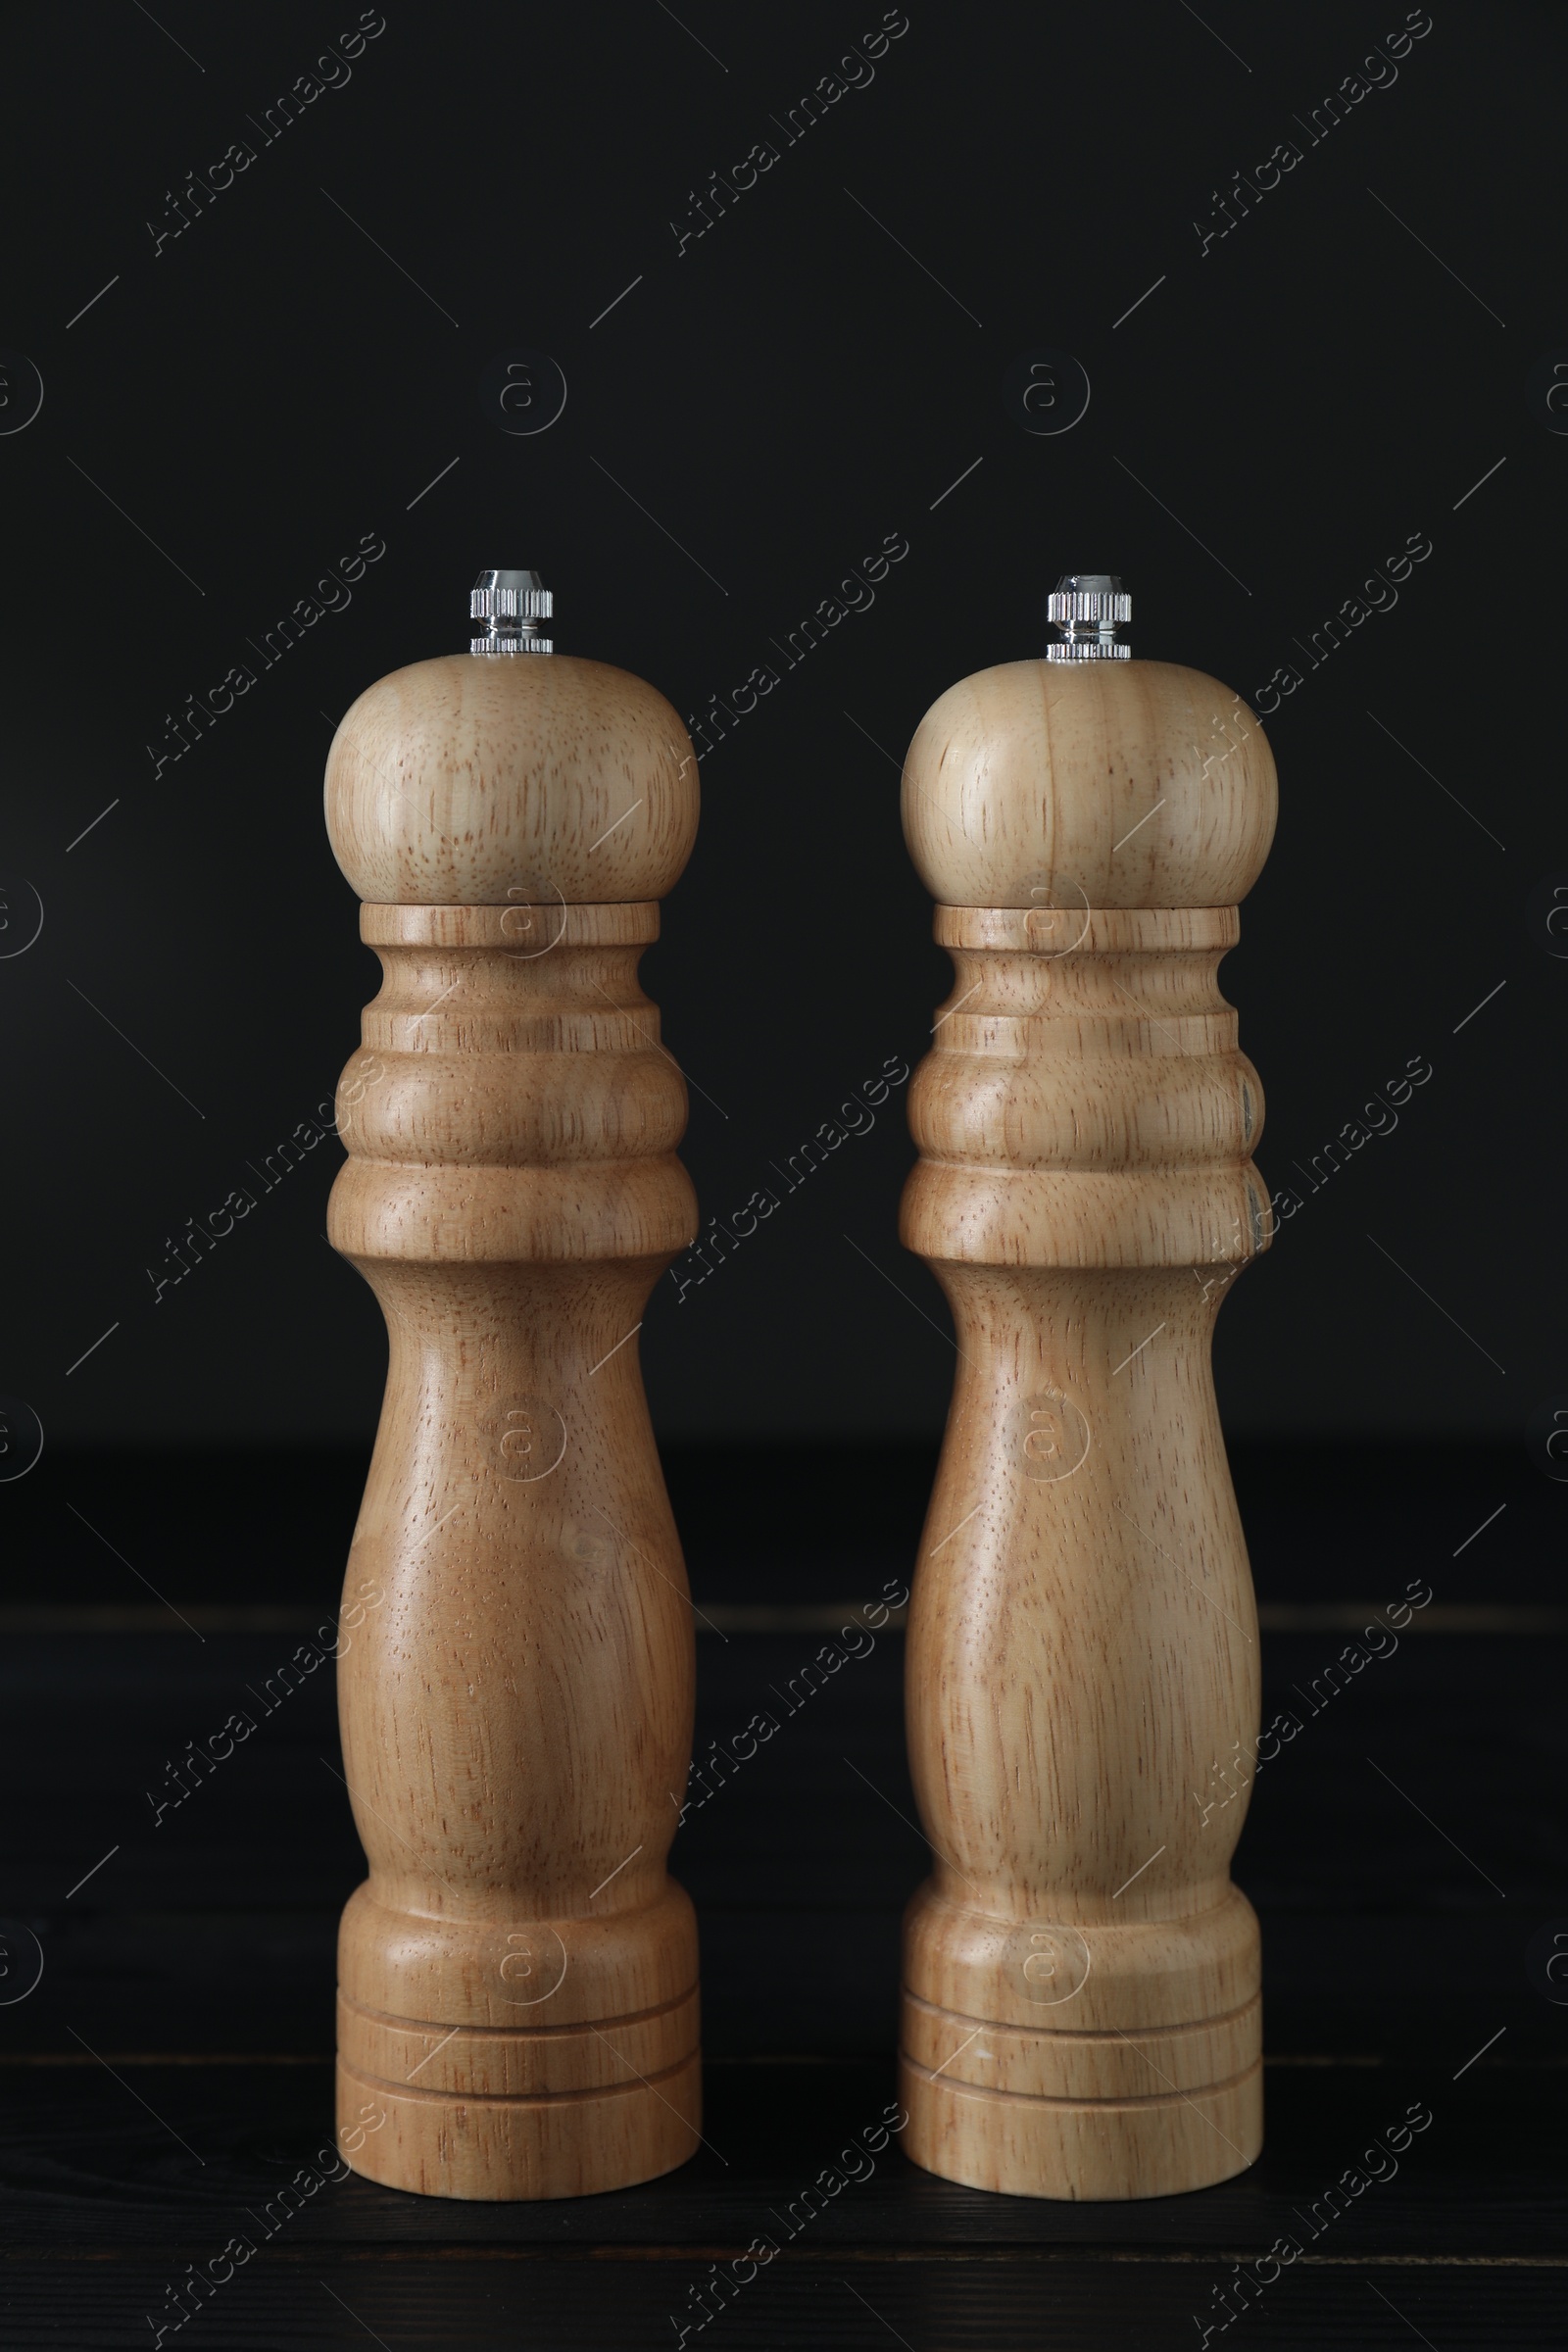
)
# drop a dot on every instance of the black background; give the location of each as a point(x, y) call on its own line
point(1270, 420)
point(791, 386)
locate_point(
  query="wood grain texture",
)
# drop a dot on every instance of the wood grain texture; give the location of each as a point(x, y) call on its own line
point(1081, 2014)
point(517, 1976)
point(1106, 784)
point(459, 781)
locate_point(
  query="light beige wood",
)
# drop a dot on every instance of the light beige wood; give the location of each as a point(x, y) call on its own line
point(1081, 2015)
point(991, 822)
point(517, 1976)
point(435, 796)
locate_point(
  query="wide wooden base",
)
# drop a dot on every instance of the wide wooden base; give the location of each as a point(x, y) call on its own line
point(562, 2144)
point(1081, 2150)
point(551, 2058)
point(536, 2111)
point(1082, 2061)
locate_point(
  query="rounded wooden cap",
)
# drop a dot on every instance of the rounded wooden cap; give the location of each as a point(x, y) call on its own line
point(1106, 784)
point(479, 780)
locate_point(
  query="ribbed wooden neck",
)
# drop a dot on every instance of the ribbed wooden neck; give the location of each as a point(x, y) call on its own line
point(1080, 2015)
point(512, 1102)
point(1085, 1103)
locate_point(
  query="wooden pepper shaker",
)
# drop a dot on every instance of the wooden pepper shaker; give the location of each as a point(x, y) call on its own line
point(517, 1976)
point(1081, 2015)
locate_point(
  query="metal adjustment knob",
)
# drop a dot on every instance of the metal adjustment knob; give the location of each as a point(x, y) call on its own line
point(511, 604)
point(1087, 608)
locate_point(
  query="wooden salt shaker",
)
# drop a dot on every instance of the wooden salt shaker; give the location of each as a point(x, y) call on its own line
point(517, 1976)
point(1081, 2015)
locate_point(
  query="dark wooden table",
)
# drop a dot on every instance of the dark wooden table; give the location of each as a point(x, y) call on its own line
point(168, 2078)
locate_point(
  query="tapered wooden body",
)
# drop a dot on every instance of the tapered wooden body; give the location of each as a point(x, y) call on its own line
point(1080, 2014)
point(517, 1976)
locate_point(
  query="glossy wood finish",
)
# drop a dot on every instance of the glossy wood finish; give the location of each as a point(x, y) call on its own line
point(1112, 784)
point(517, 1976)
point(1081, 2014)
point(458, 780)
point(194, 1963)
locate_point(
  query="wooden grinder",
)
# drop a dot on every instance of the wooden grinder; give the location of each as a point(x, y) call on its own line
point(1081, 2011)
point(517, 1976)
